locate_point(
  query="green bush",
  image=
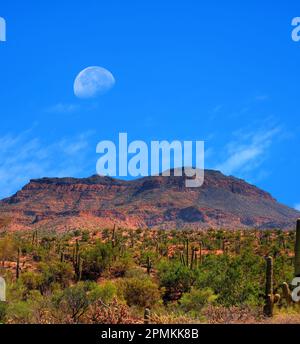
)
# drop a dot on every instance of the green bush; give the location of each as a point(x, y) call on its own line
point(236, 280)
point(197, 299)
point(47, 276)
point(176, 279)
point(3, 308)
point(31, 280)
point(120, 266)
point(73, 302)
point(96, 260)
point(104, 292)
point(85, 236)
point(136, 272)
point(140, 292)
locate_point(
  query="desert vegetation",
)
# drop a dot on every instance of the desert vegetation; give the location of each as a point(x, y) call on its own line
point(149, 276)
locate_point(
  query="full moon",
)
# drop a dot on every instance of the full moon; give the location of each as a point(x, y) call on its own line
point(92, 82)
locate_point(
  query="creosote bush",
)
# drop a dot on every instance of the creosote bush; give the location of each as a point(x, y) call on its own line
point(141, 292)
point(196, 300)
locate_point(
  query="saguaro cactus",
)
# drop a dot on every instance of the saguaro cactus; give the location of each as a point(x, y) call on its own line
point(62, 256)
point(297, 250)
point(182, 258)
point(193, 258)
point(200, 253)
point(270, 298)
point(77, 261)
point(189, 257)
point(35, 239)
point(149, 265)
point(18, 264)
point(187, 252)
point(269, 276)
point(113, 237)
point(79, 274)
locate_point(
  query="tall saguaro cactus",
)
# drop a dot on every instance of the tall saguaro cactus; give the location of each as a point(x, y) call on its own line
point(149, 265)
point(200, 253)
point(189, 259)
point(268, 309)
point(113, 237)
point(18, 264)
point(269, 276)
point(77, 261)
point(187, 252)
point(297, 250)
point(270, 298)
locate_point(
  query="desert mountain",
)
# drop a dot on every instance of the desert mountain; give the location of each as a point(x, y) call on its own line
point(160, 202)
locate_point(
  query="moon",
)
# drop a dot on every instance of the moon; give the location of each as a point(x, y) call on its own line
point(93, 82)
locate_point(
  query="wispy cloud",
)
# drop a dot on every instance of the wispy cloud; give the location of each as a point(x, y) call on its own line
point(247, 151)
point(61, 108)
point(24, 157)
point(217, 108)
point(262, 97)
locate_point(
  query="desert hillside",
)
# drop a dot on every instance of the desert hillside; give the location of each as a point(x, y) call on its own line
point(151, 202)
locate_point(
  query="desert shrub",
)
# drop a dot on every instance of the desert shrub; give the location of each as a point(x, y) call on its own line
point(47, 276)
point(76, 232)
point(196, 300)
point(120, 266)
point(136, 272)
point(153, 256)
point(73, 302)
point(236, 280)
point(31, 280)
point(96, 260)
point(111, 313)
point(283, 270)
point(232, 315)
point(27, 311)
point(176, 279)
point(8, 248)
point(85, 236)
point(57, 272)
point(3, 309)
point(140, 292)
point(104, 292)
point(19, 312)
point(46, 243)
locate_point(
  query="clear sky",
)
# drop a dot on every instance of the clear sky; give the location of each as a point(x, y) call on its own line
point(226, 72)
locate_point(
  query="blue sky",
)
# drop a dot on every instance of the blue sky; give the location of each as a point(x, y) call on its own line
point(226, 72)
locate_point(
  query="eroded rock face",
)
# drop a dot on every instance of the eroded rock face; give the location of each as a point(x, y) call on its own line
point(191, 214)
point(163, 202)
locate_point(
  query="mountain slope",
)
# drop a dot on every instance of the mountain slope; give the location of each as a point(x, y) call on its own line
point(163, 202)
